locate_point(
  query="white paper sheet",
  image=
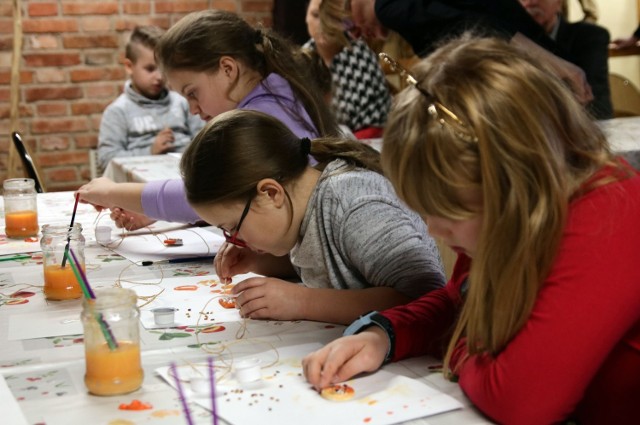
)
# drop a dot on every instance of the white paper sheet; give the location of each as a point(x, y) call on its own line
point(283, 397)
point(193, 297)
point(144, 246)
point(41, 324)
point(11, 413)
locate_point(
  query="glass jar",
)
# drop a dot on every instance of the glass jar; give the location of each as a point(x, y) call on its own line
point(112, 342)
point(60, 281)
point(20, 208)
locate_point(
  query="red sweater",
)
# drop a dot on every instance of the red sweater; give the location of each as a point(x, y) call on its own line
point(578, 355)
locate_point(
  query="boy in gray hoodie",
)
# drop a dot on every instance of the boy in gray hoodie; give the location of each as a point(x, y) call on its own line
point(147, 119)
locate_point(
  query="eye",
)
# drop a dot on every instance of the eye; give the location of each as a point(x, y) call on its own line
point(192, 95)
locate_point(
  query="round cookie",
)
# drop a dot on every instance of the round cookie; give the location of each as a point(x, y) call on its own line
point(338, 392)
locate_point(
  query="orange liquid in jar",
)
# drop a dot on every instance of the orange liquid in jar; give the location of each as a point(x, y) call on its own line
point(21, 224)
point(113, 372)
point(60, 283)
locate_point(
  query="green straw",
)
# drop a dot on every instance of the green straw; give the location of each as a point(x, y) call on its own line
point(104, 326)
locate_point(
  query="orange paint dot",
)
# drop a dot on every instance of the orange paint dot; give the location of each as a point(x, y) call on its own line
point(227, 302)
point(366, 420)
point(135, 405)
point(186, 288)
point(213, 329)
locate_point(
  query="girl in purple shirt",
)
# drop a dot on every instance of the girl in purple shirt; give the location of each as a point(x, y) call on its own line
point(218, 62)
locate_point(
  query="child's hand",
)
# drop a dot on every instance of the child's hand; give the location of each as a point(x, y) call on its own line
point(231, 260)
point(163, 142)
point(270, 298)
point(346, 357)
point(96, 193)
point(130, 220)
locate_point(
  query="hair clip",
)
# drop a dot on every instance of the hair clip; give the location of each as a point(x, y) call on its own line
point(437, 110)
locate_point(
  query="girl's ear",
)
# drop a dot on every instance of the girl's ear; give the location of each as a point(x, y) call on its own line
point(228, 66)
point(272, 192)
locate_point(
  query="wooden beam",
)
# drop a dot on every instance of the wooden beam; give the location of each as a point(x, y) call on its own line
point(14, 161)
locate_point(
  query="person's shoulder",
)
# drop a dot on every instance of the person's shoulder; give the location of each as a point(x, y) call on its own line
point(341, 177)
point(612, 188)
point(583, 29)
point(118, 105)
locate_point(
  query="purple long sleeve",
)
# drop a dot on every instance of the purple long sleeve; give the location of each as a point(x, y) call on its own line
point(166, 200)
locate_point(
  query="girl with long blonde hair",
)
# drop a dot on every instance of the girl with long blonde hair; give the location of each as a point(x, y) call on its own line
point(540, 321)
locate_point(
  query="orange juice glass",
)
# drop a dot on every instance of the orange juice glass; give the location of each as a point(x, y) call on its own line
point(112, 342)
point(112, 372)
point(21, 224)
point(20, 208)
point(60, 282)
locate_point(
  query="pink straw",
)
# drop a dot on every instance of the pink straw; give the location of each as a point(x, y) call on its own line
point(212, 384)
point(183, 400)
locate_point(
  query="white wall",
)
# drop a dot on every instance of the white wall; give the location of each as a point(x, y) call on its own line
point(620, 17)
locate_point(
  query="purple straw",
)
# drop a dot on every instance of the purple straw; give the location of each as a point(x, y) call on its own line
point(84, 276)
point(212, 383)
point(183, 400)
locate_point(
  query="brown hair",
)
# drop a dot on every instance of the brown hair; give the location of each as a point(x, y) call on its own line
point(332, 21)
point(318, 69)
point(535, 147)
point(200, 39)
point(147, 36)
point(237, 149)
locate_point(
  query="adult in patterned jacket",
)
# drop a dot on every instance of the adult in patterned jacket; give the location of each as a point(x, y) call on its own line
point(360, 98)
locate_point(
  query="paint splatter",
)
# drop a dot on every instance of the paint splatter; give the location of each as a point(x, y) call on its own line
point(227, 302)
point(213, 329)
point(135, 405)
point(186, 288)
point(165, 413)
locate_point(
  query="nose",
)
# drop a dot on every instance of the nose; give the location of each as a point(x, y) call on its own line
point(193, 107)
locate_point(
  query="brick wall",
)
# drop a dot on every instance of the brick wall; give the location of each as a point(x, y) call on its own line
point(71, 69)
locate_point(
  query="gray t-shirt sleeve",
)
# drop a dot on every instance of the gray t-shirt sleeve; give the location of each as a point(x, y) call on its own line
point(389, 245)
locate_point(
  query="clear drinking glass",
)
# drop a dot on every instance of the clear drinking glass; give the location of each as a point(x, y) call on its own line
point(112, 342)
point(60, 282)
point(20, 208)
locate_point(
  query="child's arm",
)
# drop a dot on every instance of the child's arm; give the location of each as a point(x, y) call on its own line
point(112, 138)
point(104, 193)
point(270, 298)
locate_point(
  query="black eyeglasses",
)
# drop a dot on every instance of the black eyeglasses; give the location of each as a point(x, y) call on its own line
point(233, 239)
point(437, 110)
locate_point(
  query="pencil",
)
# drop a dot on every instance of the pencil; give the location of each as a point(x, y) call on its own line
point(179, 260)
point(16, 257)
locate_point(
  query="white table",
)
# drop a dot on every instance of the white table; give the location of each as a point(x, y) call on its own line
point(141, 169)
point(46, 374)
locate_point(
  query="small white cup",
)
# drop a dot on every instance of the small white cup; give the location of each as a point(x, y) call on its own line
point(247, 370)
point(103, 234)
point(164, 315)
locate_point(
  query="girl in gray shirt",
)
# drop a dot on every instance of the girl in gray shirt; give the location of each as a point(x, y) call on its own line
point(337, 226)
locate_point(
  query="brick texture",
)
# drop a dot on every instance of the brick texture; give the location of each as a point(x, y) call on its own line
point(71, 69)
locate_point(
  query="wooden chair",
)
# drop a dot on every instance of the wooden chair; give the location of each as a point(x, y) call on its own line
point(625, 97)
point(27, 162)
